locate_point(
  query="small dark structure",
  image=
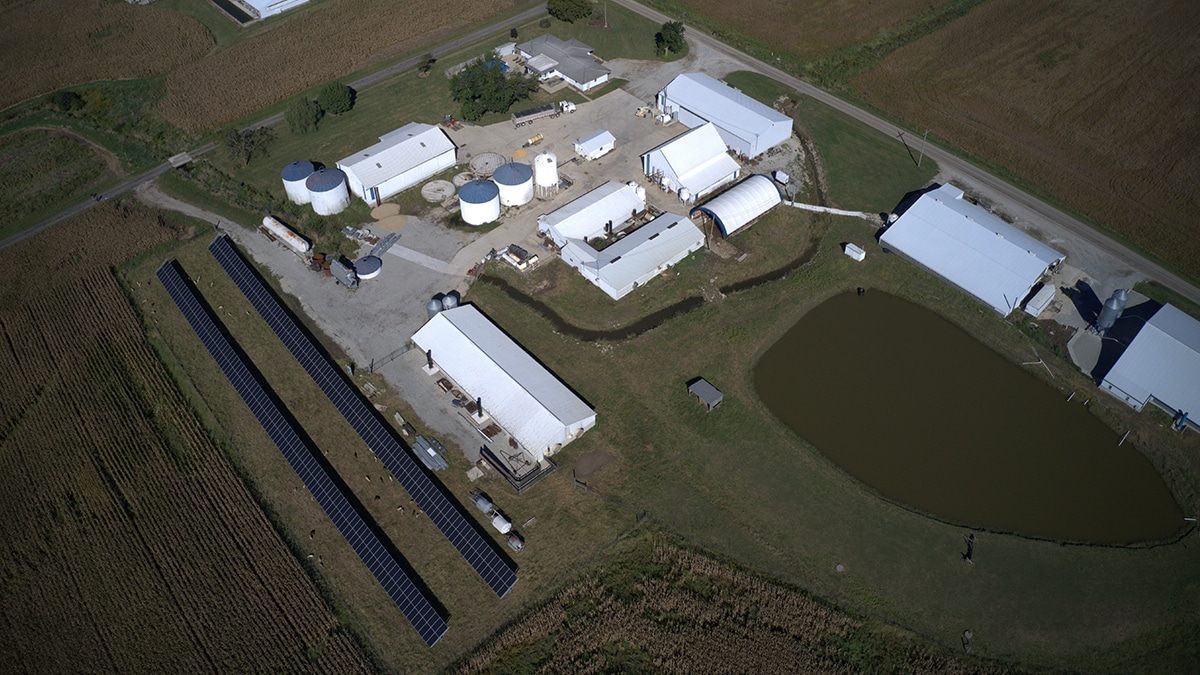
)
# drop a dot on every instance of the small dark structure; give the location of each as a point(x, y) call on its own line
point(708, 394)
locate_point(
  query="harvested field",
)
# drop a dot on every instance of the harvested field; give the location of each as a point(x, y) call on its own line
point(130, 543)
point(811, 29)
point(658, 607)
point(306, 51)
point(1090, 101)
point(42, 168)
point(50, 44)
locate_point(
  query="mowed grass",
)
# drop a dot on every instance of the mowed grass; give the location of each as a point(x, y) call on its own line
point(738, 482)
point(867, 171)
point(568, 528)
point(41, 169)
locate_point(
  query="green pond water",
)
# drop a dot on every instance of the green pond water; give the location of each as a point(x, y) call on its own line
point(930, 417)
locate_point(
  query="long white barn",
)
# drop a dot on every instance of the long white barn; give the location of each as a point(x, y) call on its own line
point(524, 398)
point(1161, 365)
point(970, 248)
point(747, 126)
point(637, 258)
point(400, 160)
point(586, 217)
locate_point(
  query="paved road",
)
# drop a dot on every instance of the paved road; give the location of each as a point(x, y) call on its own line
point(1037, 210)
point(359, 84)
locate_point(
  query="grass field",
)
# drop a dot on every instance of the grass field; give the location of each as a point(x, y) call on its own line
point(738, 482)
point(41, 169)
point(131, 544)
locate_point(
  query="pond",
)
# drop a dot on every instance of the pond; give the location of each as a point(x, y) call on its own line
point(930, 417)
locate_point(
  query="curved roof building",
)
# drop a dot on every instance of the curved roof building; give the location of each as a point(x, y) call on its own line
point(738, 206)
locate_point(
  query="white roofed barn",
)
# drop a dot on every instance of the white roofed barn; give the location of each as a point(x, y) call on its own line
point(747, 126)
point(400, 160)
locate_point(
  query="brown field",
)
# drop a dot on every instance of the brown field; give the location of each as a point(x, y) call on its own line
point(307, 51)
point(130, 543)
point(661, 608)
point(50, 44)
point(1093, 102)
point(809, 29)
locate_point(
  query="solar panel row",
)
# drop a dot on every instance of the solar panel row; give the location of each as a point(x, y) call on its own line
point(411, 599)
point(479, 551)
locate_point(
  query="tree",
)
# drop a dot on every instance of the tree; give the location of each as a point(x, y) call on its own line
point(303, 115)
point(483, 87)
point(569, 10)
point(336, 98)
point(243, 146)
point(427, 62)
point(670, 38)
point(66, 100)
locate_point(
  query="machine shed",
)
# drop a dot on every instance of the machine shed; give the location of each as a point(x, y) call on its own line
point(524, 398)
point(398, 161)
point(1161, 365)
point(747, 126)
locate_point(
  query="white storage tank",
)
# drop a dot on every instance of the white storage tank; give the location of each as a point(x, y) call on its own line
point(502, 524)
point(479, 202)
point(328, 191)
point(516, 183)
point(286, 235)
point(545, 174)
point(368, 267)
point(294, 175)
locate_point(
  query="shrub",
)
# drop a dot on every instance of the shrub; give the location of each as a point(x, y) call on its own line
point(336, 98)
point(303, 115)
point(569, 10)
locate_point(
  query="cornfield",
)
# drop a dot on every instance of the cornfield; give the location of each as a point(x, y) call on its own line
point(130, 543)
point(50, 44)
point(304, 52)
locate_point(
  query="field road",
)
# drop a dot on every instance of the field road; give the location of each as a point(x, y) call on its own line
point(1012, 198)
point(361, 83)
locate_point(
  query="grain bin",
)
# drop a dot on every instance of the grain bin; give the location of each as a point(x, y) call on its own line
point(433, 307)
point(545, 175)
point(294, 175)
point(368, 267)
point(479, 202)
point(286, 235)
point(516, 183)
point(328, 192)
point(450, 300)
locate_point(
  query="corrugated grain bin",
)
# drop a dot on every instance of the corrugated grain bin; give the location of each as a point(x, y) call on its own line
point(328, 191)
point(294, 176)
point(479, 202)
point(516, 183)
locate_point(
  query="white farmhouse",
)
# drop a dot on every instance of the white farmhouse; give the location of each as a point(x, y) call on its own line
point(747, 126)
point(549, 57)
point(400, 160)
point(695, 161)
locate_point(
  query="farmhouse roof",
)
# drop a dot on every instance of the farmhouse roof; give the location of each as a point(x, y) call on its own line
point(518, 392)
point(573, 58)
point(1162, 361)
point(971, 248)
point(396, 152)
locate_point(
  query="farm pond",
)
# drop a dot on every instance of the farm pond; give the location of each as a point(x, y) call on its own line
point(928, 416)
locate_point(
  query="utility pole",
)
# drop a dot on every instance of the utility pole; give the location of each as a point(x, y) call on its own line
point(922, 156)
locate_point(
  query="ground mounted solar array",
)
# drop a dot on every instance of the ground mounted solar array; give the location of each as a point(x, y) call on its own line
point(408, 596)
point(479, 551)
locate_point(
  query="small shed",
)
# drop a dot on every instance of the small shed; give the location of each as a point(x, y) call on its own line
point(708, 394)
point(595, 146)
point(855, 251)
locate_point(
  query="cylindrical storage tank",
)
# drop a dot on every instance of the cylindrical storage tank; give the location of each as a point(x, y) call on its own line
point(328, 191)
point(434, 307)
point(479, 202)
point(368, 267)
point(1108, 315)
point(294, 175)
point(481, 502)
point(286, 235)
point(684, 195)
point(450, 300)
point(516, 183)
point(502, 524)
point(640, 191)
point(545, 174)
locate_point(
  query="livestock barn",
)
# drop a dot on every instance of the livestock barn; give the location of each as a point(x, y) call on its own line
point(1161, 365)
point(695, 161)
point(516, 391)
point(972, 249)
point(400, 160)
point(747, 126)
point(636, 258)
point(741, 204)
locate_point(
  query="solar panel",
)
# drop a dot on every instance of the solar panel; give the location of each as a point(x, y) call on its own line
point(476, 547)
point(408, 596)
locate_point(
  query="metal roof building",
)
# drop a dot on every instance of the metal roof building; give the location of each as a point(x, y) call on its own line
point(972, 249)
point(1161, 365)
point(398, 161)
point(695, 160)
point(637, 258)
point(595, 145)
point(587, 215)
point(709, 395)
point(532, 405)
point(736, 207)
point(265, 8)
point(549, 57)
point(747, 126)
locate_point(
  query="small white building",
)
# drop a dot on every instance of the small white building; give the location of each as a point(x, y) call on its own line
point(747, 126)
point(972, 249)
point(400, 160)
point(595, 145)
point(637, 258)
point(1161, 365)
point(265, 8)
point(548, 57)
point(738, 206)
point(696, 161)
point(590, 215)
point(516, 391)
